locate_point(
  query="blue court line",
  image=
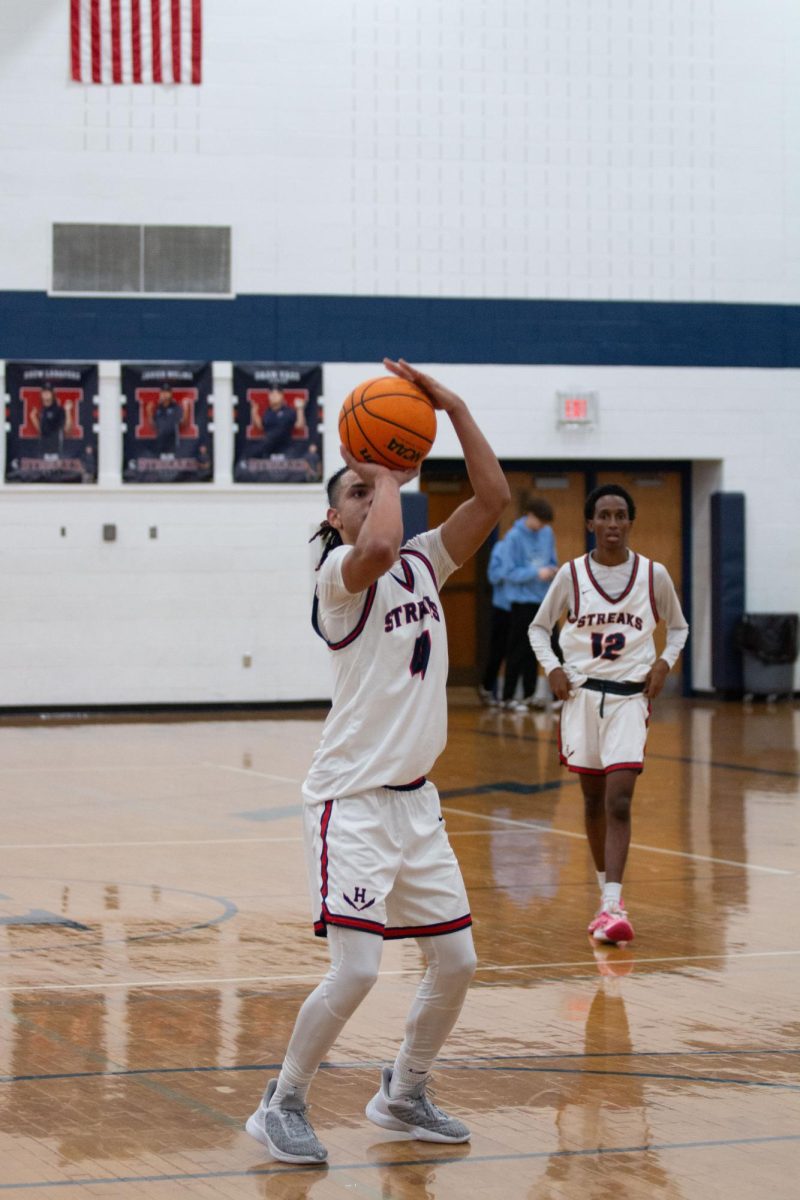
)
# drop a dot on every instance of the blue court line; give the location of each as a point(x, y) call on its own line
point(42, 916)
point(507, 785)
point(722, 766)
point(229, 910)
point(378, 1164)
point(678, 758)
point(485, 789)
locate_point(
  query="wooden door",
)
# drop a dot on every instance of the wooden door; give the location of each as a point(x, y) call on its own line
point(565, 491)
point(466, 597)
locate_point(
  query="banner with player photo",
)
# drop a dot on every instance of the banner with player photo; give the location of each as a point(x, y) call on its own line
point(277, 422)
point(167, 423)
point(51, 423)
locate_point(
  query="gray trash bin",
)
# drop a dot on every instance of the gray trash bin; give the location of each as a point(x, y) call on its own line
point(768, 642)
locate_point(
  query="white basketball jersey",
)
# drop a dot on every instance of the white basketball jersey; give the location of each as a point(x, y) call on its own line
point(388, 721)
point(607, 637)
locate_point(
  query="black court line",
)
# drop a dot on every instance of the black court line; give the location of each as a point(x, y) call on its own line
point(379, 1164)
point(677, 758)
point(504, 1065)
point(163, 1090)
point(742, 1052)
point(754, 1083)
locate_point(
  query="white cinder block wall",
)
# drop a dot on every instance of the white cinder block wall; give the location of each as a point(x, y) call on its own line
point(591, 149)
point(581, 149)
point(230, 573)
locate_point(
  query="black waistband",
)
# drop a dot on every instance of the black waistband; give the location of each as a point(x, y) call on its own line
point(612, 687)
point(407, 787)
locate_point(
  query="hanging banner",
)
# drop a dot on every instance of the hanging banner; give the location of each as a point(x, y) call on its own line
point(277, 422)
point(167, 423)
point(51, 422)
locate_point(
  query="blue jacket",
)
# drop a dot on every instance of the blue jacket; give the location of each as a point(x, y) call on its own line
point(526, 551)
point(495, 571)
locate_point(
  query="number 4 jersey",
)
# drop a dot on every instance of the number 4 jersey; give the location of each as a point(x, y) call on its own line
point(388, 720)
point(612, 614)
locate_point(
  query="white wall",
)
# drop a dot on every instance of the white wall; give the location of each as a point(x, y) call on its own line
point(230, 573)
point(158, 621)
point(588, 149)
point(608, 149)
point(165, 619)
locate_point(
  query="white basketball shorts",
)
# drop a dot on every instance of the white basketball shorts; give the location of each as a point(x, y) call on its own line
point(381, 861)
point(595, 745)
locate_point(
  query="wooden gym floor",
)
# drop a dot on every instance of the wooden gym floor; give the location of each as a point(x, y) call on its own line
point(155, 945)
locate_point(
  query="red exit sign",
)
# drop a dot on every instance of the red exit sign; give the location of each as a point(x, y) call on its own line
point(576, 408)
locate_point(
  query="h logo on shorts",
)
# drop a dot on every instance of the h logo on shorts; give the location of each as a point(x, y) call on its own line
point(360, 901)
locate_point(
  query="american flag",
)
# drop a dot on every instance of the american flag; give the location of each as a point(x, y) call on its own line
point(136, 41)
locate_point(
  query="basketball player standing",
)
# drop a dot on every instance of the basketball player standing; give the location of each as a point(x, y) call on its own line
point(380, 863)
point(614, 599)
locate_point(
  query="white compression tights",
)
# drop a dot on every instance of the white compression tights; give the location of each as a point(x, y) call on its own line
point(355, 962)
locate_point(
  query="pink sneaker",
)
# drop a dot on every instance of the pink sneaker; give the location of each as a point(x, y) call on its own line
point(611, 925)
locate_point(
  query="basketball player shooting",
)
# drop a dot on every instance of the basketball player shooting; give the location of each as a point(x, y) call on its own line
point(614, 599)
point(379, 860)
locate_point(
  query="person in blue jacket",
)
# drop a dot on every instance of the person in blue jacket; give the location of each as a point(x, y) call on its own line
point(529, 563)
point(499, 626)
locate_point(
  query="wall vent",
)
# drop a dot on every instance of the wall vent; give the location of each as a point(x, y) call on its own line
point(142, 259)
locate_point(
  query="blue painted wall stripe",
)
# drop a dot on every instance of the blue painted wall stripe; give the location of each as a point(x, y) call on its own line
point(363, 329)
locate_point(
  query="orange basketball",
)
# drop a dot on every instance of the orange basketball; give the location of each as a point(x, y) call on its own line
point(388, 421)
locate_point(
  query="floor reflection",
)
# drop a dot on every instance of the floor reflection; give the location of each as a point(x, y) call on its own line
point(155, 945)
point(605, 1111)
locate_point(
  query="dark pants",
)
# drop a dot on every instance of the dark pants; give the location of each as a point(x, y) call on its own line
point(498, 640)
point(520, 659)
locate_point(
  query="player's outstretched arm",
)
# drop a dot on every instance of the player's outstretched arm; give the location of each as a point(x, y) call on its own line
point(468, 527)
point(378, 538)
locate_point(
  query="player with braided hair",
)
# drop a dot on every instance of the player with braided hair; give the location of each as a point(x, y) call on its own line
point(328, 535)
point(379, 861)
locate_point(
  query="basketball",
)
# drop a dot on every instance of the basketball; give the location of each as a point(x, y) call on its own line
point(389, 421)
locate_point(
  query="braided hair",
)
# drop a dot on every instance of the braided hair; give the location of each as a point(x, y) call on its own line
point(330, 537)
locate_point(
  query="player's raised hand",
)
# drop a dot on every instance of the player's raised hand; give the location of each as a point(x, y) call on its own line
point(439, 396)
point(371, 472)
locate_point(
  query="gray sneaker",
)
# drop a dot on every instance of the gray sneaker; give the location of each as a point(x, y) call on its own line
point(285, 1130)
point(414, 1114)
